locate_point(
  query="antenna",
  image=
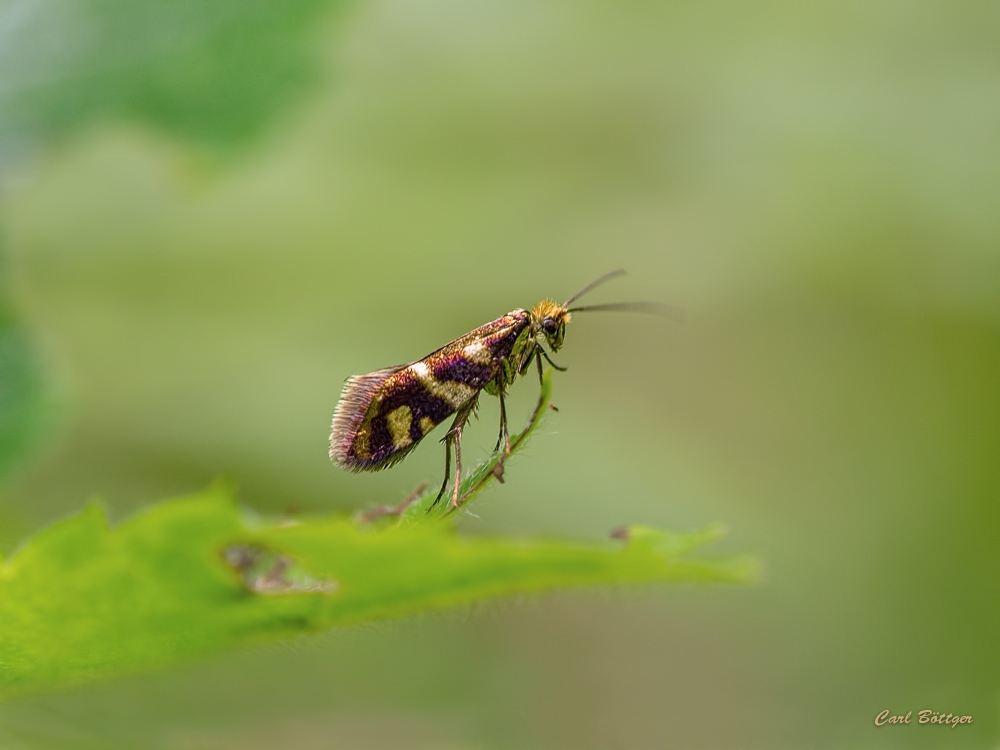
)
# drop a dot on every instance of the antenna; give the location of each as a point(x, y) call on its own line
point(595, 283)
point(653, 308)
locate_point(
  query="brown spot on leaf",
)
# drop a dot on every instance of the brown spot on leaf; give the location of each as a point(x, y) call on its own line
point(267, 572)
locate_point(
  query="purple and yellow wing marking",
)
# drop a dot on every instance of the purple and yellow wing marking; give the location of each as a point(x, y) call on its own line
point(382, 416)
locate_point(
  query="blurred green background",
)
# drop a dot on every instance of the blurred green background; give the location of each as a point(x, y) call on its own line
point(213, 212)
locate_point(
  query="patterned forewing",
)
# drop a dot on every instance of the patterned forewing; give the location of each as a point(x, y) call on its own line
point(383, 415)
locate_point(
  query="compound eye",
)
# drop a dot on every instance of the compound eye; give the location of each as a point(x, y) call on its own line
point(550, 325)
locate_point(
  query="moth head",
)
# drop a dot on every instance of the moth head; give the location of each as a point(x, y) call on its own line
point(549, 319)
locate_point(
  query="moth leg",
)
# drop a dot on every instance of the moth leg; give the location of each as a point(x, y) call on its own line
point(504, 436)
point(458, 467)
point(543, 353)
point(456, 437)
point(447, 470)
point(451, 438)
point(527, 363)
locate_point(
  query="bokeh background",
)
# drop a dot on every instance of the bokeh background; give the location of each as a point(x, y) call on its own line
point(212, 212)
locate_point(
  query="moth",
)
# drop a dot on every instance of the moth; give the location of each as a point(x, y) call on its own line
point(384, 415)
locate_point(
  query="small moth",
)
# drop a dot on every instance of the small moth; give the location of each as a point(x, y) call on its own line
point(384, 415)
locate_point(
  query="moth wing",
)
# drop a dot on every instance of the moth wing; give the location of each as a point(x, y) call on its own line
point(353, 406)
point(381, 416)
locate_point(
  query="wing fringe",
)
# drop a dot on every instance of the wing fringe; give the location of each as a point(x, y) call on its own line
point(355, 398)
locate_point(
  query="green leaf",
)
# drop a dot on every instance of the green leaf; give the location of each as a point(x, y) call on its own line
point(212, 71)
point(193, 576)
